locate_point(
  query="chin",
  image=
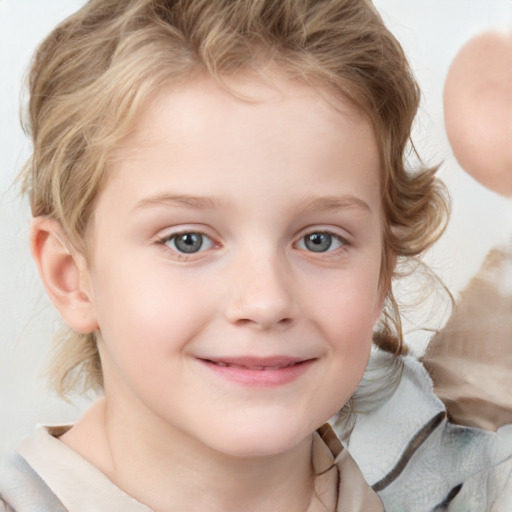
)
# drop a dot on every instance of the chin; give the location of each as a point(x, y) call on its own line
point(259, 442)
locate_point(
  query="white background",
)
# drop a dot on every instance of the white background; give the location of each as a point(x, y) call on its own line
point(431, 31)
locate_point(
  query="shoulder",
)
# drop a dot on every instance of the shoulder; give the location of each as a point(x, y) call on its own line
point(22, 489)
point(415, 458)
point(4, 507)
point(60, 479)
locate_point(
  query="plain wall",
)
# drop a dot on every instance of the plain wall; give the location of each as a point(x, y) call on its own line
point(431, 31)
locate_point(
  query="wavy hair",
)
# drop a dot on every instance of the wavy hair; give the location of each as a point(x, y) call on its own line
point(93, 73)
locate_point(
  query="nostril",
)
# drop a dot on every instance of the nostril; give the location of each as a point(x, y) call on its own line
point(264, 323)
point(262, 302)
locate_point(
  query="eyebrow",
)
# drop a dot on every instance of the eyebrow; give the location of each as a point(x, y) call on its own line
point(186, 200)
point(322, 203)
point(335, 203)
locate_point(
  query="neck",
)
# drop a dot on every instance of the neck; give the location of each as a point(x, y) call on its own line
point(171, 471)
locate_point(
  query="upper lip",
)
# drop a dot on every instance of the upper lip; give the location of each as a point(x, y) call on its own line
point(257, 363)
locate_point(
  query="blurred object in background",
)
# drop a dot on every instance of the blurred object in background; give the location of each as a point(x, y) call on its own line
point(478, 109)
point(470, 359)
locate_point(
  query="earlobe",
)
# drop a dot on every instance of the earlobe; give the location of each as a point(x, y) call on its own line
point(64, 274)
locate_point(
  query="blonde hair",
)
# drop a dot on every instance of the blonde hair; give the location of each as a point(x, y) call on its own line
point(93, 73)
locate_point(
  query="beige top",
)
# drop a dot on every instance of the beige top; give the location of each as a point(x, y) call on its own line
point(81, 487)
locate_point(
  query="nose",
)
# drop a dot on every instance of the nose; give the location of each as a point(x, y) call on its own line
point(261, 293)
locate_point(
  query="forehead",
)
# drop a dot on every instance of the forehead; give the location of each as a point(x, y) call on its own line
point(201, 103)
point(269, 127)
point(266, 88)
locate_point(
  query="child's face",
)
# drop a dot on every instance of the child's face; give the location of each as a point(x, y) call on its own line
point(236, 262)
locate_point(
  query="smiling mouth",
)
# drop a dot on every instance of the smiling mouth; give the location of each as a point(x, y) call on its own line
point(257, 364)
point(259, 372)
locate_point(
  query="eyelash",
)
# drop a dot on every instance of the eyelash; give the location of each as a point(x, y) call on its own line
point(334, 238)
point(164, 241)
point(301, 244)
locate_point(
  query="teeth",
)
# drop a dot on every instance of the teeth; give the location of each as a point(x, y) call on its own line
point(254, 368)
point(222, 364)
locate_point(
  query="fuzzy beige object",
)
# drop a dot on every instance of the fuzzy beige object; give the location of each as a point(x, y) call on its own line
point(470, 360)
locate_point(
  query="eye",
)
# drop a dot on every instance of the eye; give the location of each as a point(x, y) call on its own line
point(188, 243)
point(320, 242)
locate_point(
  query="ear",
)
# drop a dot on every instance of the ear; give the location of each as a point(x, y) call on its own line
point(64, 274)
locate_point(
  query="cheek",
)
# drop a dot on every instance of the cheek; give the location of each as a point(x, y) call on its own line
point(350, 302)
point(146, 314)
point(346, 314)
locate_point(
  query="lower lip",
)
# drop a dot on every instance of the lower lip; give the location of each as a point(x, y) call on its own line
point(260, 378)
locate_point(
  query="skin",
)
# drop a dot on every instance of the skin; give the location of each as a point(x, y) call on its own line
point(202, 161)
point(477, 103)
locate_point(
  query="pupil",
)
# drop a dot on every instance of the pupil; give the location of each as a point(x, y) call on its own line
point(318, 242)
point(189, 242)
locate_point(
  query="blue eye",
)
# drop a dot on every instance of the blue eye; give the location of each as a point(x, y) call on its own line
point(188, 243)
point(320, 242)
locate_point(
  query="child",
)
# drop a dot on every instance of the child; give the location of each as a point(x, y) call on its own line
point(220, 199)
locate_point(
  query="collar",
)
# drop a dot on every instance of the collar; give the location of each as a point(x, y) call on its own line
point(62, 469)
point(407, 417)
point(81, 487)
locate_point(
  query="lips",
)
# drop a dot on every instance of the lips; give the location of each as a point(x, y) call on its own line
point(259, 371)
